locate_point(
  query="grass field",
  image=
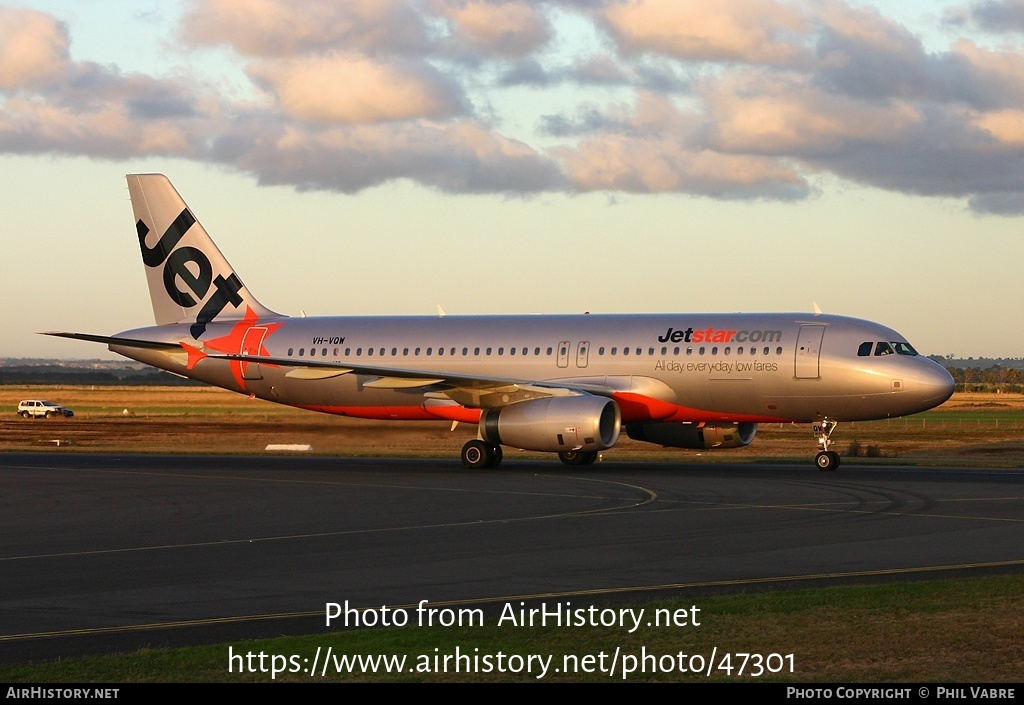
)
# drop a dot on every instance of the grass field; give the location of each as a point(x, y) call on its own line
point(974, 429)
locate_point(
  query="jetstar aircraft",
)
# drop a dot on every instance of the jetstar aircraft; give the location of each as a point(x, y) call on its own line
point(566, 384)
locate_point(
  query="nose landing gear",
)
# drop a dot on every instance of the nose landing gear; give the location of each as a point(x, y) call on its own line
point(826, 460)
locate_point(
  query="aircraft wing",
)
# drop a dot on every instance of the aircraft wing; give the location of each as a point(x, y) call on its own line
point(476, 391)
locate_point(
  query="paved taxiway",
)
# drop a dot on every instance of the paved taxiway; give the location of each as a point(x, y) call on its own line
point(101, 553)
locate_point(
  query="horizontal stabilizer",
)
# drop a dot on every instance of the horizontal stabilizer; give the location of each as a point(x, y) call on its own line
point(112, 340)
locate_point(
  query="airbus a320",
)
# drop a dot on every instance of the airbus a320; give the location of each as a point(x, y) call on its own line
point(565, 384)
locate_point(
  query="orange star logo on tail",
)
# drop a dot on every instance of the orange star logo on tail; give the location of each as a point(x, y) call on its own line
point(247, 337)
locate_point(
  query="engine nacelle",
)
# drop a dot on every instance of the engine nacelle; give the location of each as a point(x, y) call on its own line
point(687, 435)
point(556, 424)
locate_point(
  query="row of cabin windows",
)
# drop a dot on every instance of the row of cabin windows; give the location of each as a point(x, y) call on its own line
point(405, 351)
point(702, 350)
point(883, 348)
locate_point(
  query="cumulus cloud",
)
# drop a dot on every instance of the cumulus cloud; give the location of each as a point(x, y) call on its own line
point(493, 27)
point(354, 88)
point(748, 31)
point(998, 15)
point(655, 147)
point(763, 113)
point(460, 157)
point(286, 27)
point(748, 100)
point(33, 47)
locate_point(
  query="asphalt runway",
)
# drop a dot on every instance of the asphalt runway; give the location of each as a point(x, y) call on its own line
point(102, 553)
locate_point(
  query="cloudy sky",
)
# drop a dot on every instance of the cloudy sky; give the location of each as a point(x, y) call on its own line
point(385, 156)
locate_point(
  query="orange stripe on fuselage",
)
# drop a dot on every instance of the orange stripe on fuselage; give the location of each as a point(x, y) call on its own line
point(635, 408)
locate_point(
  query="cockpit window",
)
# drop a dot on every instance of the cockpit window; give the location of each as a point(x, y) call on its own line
point(904, 348)
point(865, 349)
point(883, 348)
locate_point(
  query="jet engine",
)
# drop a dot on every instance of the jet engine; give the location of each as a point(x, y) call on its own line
point(688, 435)
point(557, 424)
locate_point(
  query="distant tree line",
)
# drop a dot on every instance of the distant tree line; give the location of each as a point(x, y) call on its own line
point(990, 379)
point(58, 374)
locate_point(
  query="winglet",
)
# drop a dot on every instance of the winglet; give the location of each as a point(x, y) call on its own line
point(194, 355)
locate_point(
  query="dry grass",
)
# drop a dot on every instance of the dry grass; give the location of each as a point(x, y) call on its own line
point(974, 429)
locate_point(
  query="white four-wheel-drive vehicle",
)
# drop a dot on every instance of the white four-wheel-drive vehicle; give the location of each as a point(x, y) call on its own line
point(40, 407)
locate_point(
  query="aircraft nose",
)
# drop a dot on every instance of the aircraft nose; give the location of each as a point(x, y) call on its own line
point(932, 384)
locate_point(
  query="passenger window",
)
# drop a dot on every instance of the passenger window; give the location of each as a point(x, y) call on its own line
point(488, 351)
point(766, 351)
point(739, 350)
point(651, 351)
point(549, 351)
point(290, 351)
point(676, 352)
point(615, 351)
point(440, 351)
point(405, 352)
point(701, 351)
point(312, 352)
point(501, 351)
point(430, 351)
point(453, 351)
point(727, 350)
point(778, 351)
point(394, 351)
point(689, 351)
point(883, 348)
point(476, 351)
point(536, 351)
point(511, 351)
point(465, 351)
point(417, 352)
point(302, 351)
point(324, 352)
point(625, 351)
point(348, 352)
point(526, 351)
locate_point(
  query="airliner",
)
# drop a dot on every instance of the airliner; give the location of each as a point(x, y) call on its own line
point(565, 384)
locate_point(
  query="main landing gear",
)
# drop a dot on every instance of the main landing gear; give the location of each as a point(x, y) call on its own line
point(826, 459)
point(578, 457)
point(480, 454)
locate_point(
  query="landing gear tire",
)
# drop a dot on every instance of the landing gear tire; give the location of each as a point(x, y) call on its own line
point(578, 457)
point(827, 460)
point(478, 455)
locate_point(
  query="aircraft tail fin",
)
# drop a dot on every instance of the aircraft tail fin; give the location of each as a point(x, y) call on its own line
point(189, 279)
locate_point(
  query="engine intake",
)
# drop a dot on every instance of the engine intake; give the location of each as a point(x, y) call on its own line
point(685, 435)
point(555, 424)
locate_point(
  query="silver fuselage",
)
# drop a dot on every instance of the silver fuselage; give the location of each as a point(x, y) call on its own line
point(662, 367)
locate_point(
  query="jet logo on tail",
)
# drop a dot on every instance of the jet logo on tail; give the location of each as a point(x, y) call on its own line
point(175, 263)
